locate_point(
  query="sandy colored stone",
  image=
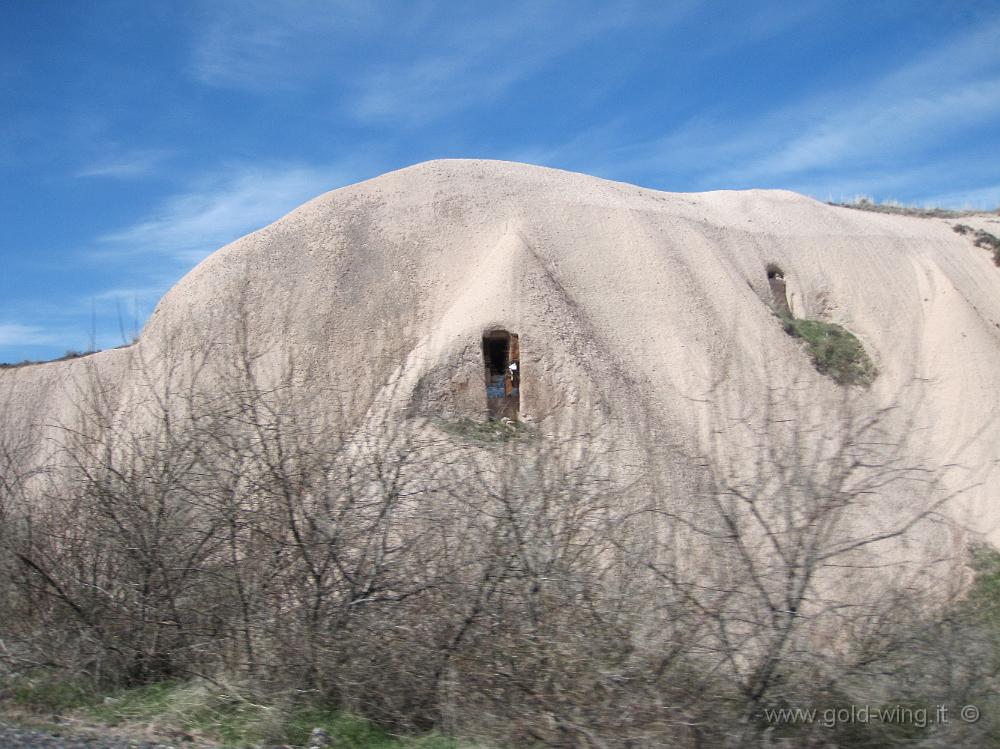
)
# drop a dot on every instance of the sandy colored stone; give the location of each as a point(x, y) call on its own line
point(630, 305)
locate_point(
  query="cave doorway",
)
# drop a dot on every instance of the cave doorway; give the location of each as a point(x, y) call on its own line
point(779, 293)
point(502, 366)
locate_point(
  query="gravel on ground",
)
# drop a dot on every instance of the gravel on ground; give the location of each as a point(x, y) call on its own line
point(19, 737)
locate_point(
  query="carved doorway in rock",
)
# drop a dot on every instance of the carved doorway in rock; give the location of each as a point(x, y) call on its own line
point(502, 364)
point(779, 294)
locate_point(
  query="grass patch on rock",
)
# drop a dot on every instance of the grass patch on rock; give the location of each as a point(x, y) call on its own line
point(834, 350)
point(489, 431)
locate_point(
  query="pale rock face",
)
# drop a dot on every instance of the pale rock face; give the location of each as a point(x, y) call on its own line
point(640, 311)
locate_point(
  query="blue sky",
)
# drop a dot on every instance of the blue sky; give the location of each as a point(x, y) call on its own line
point(136, 138)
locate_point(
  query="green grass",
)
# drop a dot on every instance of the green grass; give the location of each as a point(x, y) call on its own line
point(984, 594)
point(227, 716)
point(835, 351)
point(50, 695)
point(489, 431)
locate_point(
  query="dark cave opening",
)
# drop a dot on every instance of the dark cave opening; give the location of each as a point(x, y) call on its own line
point(502, 365)
point(779, 293)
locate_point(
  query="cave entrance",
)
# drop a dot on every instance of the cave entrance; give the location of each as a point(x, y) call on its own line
point(779, 293)
point(502, 363)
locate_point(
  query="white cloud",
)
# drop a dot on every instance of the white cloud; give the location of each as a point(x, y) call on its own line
point(128, 294)
point(466, 59)
point(884, 124)
point(190, 225)
point(410, 63)
point(150, 254)
point(429, 88)
point(263, 45)
point(185, 228)
point(125, 166)
point(753, 23)
point(832, 143)
point(16, 334)
point(980, 199)
point(933, 98)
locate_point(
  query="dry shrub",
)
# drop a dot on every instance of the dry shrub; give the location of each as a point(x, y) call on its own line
point(552, 591)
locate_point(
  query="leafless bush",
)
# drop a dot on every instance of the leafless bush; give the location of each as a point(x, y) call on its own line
point(553, 591)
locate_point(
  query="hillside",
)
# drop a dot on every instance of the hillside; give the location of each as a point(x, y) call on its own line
point(633, 308)
point(532, 457)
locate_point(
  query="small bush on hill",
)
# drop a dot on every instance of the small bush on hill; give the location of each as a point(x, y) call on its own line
point(70, 354)
point(867, 204)
point(982, 239)
point(835, 351)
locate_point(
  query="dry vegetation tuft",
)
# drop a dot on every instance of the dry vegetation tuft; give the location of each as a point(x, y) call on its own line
point(900, 209)
point(981, 238)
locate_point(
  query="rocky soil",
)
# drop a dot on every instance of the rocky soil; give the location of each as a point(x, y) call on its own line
point(14, 736)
